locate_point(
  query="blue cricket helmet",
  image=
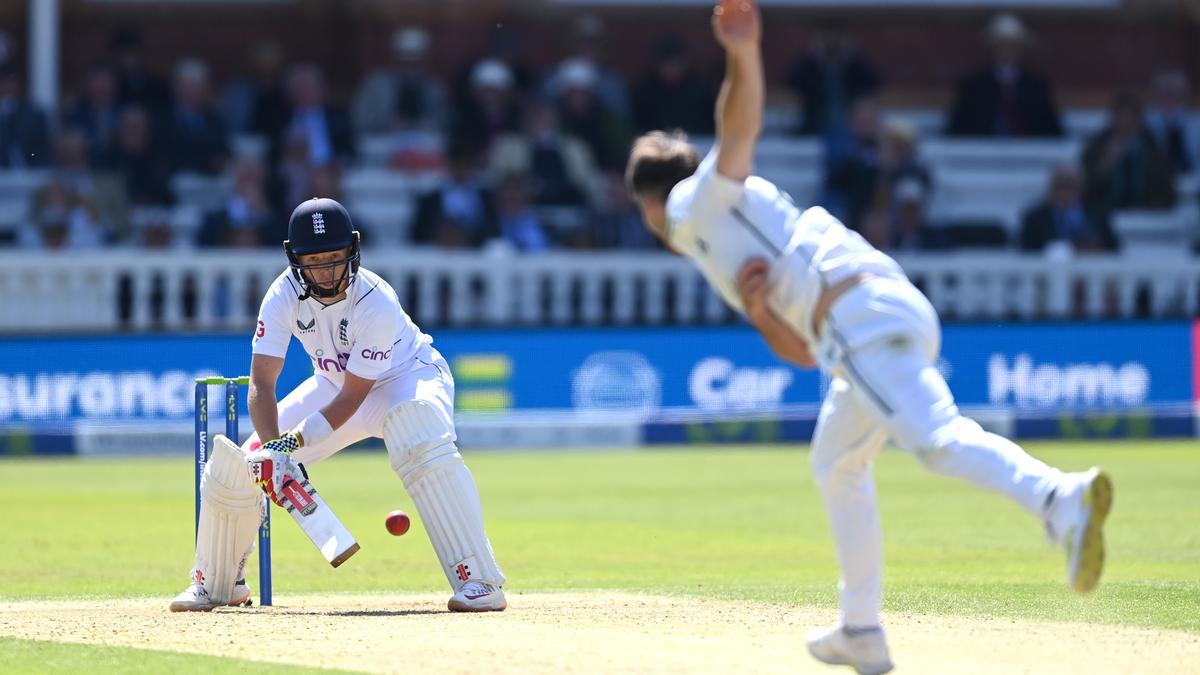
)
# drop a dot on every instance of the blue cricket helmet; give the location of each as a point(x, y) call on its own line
point(320, 225)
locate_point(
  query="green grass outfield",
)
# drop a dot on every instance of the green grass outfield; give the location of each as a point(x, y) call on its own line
point(731, 522)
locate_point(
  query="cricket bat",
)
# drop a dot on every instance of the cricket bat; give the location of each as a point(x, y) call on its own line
point(306, 506)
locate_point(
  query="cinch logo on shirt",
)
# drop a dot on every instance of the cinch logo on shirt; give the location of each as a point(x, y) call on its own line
point(330, 365)
point(373, 355)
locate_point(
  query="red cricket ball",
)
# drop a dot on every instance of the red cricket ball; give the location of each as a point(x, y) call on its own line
point(397, 522)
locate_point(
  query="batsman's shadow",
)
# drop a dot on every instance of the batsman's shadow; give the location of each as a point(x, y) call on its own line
point(363, 612)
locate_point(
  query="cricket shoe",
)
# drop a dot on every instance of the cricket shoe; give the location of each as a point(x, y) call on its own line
point(864, 650)
point(195, 598)
point(1077, 514)
point(478, 596)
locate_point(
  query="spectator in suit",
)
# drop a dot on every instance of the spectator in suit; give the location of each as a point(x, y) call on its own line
point(488, 108)
point(324, 129)
point(1125, 167)
point(671, 95)
point(134, 155)
point(97, 111)
point(246, 219)
point(1063, 217)
point(255, 102)
point(1173, 122)
point(404, 97)
point(137, 84)
point(558, 167)
point(194, 135)
point(24, 129)
point(865, 182)
point(460, 213)
point(903, 224)
point(1005, 98)
point(829, 80)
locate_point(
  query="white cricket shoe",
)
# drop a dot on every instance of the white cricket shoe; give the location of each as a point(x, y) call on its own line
point(1081, 504)
point(195, 598)
point(478, 596)
point(866, 651)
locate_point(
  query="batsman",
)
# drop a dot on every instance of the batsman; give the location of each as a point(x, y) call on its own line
point(375, 374)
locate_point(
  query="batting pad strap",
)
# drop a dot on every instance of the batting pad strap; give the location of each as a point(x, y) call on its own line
point(314, 429)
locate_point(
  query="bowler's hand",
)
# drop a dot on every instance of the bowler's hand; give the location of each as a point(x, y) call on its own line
point(737, 25)
point(753, 287)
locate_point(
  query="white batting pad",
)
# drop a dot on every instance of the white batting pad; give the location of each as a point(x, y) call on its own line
point(420, 444)
point(231, 509)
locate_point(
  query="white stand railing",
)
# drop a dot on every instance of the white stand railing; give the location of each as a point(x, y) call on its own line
point(221, 290)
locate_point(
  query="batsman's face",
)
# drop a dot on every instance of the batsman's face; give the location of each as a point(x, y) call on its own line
point(327, 269)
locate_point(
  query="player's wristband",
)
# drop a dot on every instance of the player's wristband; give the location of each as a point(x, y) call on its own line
point(313, 429)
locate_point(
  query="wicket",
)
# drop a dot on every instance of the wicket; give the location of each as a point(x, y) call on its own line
point(232, 384)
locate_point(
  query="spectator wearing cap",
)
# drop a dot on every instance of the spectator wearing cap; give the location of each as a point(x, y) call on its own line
point(96, 111)
point(584, 115)
point(671, 95)
point(490, 107)
point(403, 97)
point(558, 167)
point(829, 80)
point(865, 181)
point(1124, 166)
point(1062, 217)
point(1173, 122)
point(324, 130)
point(194, 136)
point(24, 128)
point(461, 212)
point(1005, 98)
point(588, 41)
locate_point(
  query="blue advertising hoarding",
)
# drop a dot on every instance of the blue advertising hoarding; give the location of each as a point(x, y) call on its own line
point(53, 382)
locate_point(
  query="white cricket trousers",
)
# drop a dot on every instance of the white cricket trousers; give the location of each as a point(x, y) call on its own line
point(429, 381)
point(880, 344)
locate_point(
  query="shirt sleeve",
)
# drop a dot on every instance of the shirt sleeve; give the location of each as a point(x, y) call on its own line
point(272, 333)
point(713, 190)
point(371, 354)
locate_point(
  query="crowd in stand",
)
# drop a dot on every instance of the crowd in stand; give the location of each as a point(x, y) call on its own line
point(534, 159)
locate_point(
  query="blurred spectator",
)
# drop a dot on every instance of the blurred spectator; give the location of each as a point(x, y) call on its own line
point(1125, 167)
point(288, 183)
point(588, 43)
point(404, 97)
point(136, 84)
point(585, 116)
point(194, 136)
point(153, 230)
point(1005, 98)
point(829, 80)
point(324, 129)
point(246, 219)
point(858, 142)
point(490, 107)
point(63, 219)
point(518, 223)
point(1173, 122)
point(103, 192)
point(1063, 217)
point(672, 96)
point(460, 213)
point(559, 167)
point(865, 181)
point(255, 102)
point(902, 225)
point(134, 155)
point(97, 110)
point(617, 223)
point(24, 129)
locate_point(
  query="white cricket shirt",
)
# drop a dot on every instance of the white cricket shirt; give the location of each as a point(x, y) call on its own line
point(367, 333)
point(721, 224)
